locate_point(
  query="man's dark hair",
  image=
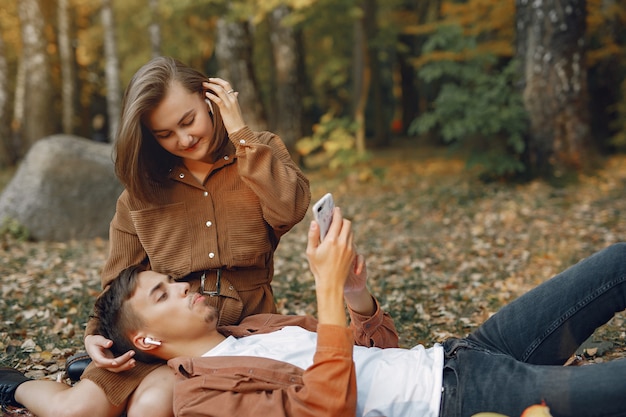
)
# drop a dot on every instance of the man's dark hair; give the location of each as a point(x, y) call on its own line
point(116, 319)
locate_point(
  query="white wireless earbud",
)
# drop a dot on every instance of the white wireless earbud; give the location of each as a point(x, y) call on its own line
point(151, 341)
point(207, 101)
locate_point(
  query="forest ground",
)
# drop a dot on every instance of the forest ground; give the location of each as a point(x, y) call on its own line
point(444, 252)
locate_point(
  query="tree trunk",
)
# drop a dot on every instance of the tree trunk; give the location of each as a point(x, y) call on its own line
point(605, 74)
point(38, 88)
point(112, 75)
point(414, 92)
point(288, 93)
point(550, 49)
point(233, 50)
point(67, 68)
point(361, 82)
point(5, 142)
point(378, 116)
point(155, 28)
point(18, 108)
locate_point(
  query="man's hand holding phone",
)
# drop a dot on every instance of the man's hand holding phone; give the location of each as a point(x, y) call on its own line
point(323, 213)
point(335, 262)
point(330, 261)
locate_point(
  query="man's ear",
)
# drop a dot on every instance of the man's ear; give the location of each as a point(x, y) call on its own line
point(144, 342)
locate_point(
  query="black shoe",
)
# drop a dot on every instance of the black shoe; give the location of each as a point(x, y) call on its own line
point(76, 364)
point(10, 379)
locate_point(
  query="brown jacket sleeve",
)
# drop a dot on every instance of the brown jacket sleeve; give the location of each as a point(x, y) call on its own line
point(244, 386)
point(266, 166)
point(377, 330)
point(125, 250)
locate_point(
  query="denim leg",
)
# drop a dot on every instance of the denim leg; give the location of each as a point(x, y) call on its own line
point(498, 383)
point(546, 325)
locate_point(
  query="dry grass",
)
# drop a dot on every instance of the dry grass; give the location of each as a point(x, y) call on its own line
point(444, 252)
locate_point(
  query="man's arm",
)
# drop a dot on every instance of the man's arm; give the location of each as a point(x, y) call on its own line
point(253, 386)
point(246, 386)
point(332, 263)
point(371, 326)
point(376, 330)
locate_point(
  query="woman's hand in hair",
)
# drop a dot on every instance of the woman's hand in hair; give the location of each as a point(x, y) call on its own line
point(222, 94)
point(97, 347)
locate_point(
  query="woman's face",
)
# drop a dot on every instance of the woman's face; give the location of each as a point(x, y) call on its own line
point(181, 124)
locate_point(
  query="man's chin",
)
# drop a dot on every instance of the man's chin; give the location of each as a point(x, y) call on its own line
point(211, 316)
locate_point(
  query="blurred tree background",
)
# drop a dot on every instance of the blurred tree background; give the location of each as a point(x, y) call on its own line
point(523, 88)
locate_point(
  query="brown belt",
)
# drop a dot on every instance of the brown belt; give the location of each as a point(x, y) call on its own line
point(244, 279)
point(218, 283)
point(222, 293)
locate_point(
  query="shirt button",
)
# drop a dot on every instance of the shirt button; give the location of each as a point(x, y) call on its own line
point(181, 175)
point(242, 141)
point(206, 193)
point(208, 223)
point(211, 255)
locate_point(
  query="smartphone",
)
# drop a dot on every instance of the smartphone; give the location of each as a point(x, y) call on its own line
point(323, 213)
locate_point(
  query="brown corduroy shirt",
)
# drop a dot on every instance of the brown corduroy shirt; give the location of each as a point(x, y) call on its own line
point(253, 195)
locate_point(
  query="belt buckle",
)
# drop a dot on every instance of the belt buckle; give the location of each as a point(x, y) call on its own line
point(218, 274)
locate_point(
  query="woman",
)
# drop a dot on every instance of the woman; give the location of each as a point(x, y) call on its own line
point(206, 200)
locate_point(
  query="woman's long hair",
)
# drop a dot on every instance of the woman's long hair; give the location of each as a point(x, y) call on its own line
point(140, 162)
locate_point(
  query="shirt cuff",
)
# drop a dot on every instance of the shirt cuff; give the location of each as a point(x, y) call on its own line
point(335, 338)
point(243, 137)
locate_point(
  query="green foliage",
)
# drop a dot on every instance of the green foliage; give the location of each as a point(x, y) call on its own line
point(328, 32)
point(478, 107)
point(14, 229)
point(335, 139)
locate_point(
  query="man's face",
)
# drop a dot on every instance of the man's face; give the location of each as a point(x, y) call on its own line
point(169, 310)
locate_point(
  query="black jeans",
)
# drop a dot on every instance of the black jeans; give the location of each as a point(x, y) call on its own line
point(515, 358)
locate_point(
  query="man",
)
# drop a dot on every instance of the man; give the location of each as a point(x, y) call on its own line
point(274, 365)
point(166, 320)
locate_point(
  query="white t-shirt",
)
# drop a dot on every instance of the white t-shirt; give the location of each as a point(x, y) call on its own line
point(390, 382)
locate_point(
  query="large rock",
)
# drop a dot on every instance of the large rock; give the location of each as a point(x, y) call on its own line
point(64, 189)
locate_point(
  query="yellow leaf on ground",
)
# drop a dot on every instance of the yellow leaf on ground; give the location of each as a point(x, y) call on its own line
point(537, 410)
point(488, 415)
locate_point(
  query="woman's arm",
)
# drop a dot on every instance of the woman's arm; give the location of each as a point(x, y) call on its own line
point(265, 165)
point(125, 249)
